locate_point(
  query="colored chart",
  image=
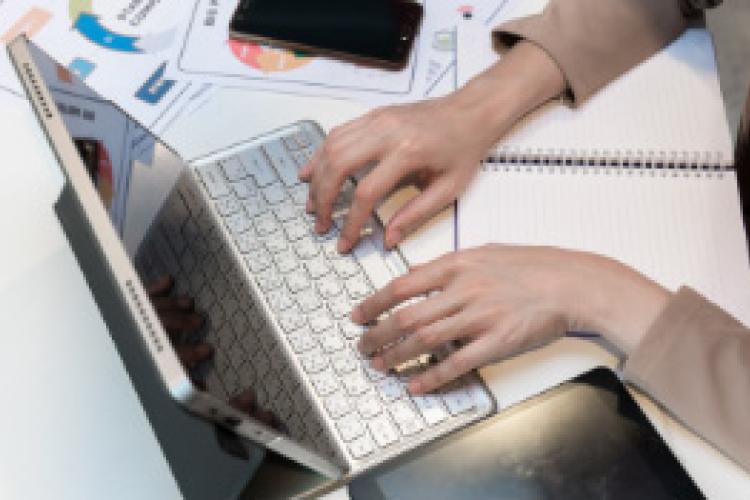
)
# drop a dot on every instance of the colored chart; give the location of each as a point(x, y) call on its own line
point(267, 59)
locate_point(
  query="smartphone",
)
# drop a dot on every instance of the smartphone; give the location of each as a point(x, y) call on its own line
point(377, 32)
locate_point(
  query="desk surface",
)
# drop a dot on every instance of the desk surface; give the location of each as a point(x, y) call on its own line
point(39, 273)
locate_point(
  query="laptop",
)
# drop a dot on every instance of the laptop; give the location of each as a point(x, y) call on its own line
point(231, 229)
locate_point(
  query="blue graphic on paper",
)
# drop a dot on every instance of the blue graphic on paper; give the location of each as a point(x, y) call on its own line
point(81, 67)
point(155, 87)
point(90, 27)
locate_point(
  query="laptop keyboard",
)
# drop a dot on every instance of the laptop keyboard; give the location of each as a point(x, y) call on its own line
point(310, 288)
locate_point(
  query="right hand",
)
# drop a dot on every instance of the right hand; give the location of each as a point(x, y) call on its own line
point(435, 143)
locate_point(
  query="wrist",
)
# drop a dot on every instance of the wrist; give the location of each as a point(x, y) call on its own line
point(525, 78)
point(614, 300)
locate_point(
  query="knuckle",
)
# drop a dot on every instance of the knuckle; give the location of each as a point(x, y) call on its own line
point(403, 320)
point(399, 288)
point(457, 364)
point(364, 194)
point(425, 339)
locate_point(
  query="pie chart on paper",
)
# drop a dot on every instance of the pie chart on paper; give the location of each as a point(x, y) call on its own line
point(267, 59)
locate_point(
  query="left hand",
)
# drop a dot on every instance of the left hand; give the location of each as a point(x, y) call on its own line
point(502, 300)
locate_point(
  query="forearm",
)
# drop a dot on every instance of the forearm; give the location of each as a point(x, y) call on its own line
point(496, 99)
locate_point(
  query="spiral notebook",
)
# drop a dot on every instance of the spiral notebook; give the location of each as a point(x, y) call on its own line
point(642, 172)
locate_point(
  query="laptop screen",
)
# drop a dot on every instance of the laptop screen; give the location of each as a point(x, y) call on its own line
point(132, 171)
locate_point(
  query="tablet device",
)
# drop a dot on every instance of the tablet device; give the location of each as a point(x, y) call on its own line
point(586, 438)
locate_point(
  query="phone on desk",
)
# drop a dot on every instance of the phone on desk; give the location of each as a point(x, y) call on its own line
point(375, 32)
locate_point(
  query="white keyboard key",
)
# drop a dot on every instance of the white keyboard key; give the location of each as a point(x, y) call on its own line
point(297, 281)
point(406, 418)
point(457, 400)
point(431, 408)
point(233, 169)
point(308, 300)
point(383, 431)
point(285, 261)
point(291, 319)
point(337, 405)
point(391, 389)
point(266, 224)
point(329, 287)
point(301, 340)
point(317, 267)
point(331, 341)
point(350, 427)
point(303, 139)
point(275, 242)
point(237, 223)
point(344, 362)
point(372, 373)
point(279, 300)
point(247, 242)
point(355, 383)
point(299, 194)
point(257, 165)
point(351, 330)
point(295, 230)
point(213, 180)
point(258, 260)
point(300, 157)
point(254, 206)
point(325, 382)
point(274, 193)
point(340, 307)
point(361, 446)
point(369, 406)
point(358, 287)
point(345, 267)
point(314, 361)
point(320, 321)
point(245, 189)
point(285, 211)
point(282, 160)
point(269, 279)
point(306, 248)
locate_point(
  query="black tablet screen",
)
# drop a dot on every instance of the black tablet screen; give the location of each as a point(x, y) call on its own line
point(584, 439)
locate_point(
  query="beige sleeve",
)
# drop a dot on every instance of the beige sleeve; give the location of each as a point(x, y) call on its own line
point(595, 41)
point(695, 361)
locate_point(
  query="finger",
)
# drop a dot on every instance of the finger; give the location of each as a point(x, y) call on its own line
point(419, 210)
point(161, 286)
point(192, 355)
point(181, 303)
point(470, 356)
point(420, 280)
point(409, 319)
point(336, 168)
point(368, 193)
point(177, 322)
point(338, 133)
point(430, 338)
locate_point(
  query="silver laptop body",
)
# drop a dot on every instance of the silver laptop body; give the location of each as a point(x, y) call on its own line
point(231, 229)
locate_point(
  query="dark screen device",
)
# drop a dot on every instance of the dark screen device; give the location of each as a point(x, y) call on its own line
point(585, 439)
point(378, 32)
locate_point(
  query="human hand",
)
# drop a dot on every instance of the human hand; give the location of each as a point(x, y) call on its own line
point(179, 318)
point(437, 144)
point(422, 142)
point(498, 301)
point(246, 402)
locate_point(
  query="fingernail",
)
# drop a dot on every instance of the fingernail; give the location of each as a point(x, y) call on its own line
point(356, 316)
point(343, 245)
point(415, 386)
point(392, 239)
point(378, 363)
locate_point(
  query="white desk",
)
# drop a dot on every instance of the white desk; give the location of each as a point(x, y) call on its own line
point(62, 362)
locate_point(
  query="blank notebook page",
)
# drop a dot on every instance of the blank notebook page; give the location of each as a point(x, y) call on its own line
point(675, 227)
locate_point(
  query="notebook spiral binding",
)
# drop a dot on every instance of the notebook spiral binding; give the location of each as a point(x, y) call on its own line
point(628, 162)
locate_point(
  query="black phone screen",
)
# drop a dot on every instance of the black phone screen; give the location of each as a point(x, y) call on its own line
point(584, 439)
point(377, 29)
